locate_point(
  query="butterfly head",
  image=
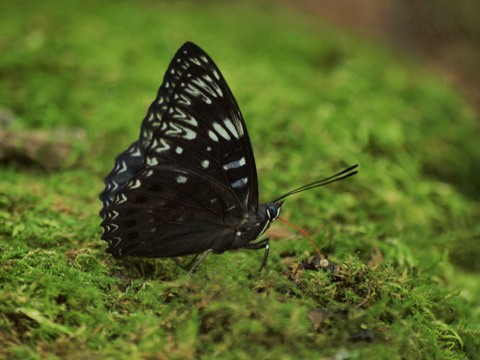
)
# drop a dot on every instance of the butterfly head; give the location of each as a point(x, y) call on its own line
point(273, 210)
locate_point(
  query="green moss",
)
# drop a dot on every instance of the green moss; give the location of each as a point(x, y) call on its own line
point(404, 232)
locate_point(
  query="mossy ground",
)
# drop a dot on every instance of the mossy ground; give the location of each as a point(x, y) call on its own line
point(404, 231)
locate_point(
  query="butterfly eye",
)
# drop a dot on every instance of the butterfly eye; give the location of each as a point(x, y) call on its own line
point(273, 212)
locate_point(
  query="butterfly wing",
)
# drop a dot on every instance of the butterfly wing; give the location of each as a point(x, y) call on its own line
point(197, 178)
point(157, 215)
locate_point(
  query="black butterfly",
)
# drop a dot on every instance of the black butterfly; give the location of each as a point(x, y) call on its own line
point(189, 184)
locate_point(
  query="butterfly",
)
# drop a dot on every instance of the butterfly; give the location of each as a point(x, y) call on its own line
point(189, 185)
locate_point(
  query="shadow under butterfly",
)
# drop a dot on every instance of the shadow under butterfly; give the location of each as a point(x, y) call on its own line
point(188, 185)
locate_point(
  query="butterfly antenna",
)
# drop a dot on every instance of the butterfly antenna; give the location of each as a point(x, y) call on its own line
point(337, 177)
point(304, 233)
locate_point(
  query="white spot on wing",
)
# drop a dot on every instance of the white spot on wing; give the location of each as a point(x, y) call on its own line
point(121, 198)
point(205, 163)
point(149, 173)
point(214, 85)
point(114, 214)
point(189, 134)
point(178, 150)
point(135, 184)
point(228, 123)
point(195, 61)
point(118, 241)
point(181, 179)
point(151, 161)
point(221, 131)
point(200, 83)
point(192, 90)
point(235, 164)
point(207, 87)
point(120, 167)
point(173, 129)
point(212, 136)
point(240, 183)
point(112, 186)
point(184, 100)
point(187, 118)
point(160, 145)
point(134, 151)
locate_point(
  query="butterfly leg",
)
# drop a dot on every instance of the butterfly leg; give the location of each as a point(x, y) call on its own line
point(199, 261)
point(261, 244)
point(188, 265)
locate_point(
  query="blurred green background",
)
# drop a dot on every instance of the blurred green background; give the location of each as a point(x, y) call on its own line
point(76, 79)
point(445, 34)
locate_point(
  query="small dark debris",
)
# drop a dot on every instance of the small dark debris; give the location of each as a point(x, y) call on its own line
point(316, 263)
point(364, 335)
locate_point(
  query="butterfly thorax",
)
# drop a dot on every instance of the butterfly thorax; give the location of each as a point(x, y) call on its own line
point(255, 224)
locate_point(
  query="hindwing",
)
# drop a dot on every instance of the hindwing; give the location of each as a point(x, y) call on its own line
point(157, 215)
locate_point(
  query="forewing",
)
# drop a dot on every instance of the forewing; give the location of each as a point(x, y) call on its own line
point(203, 130)
point(130, 161)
